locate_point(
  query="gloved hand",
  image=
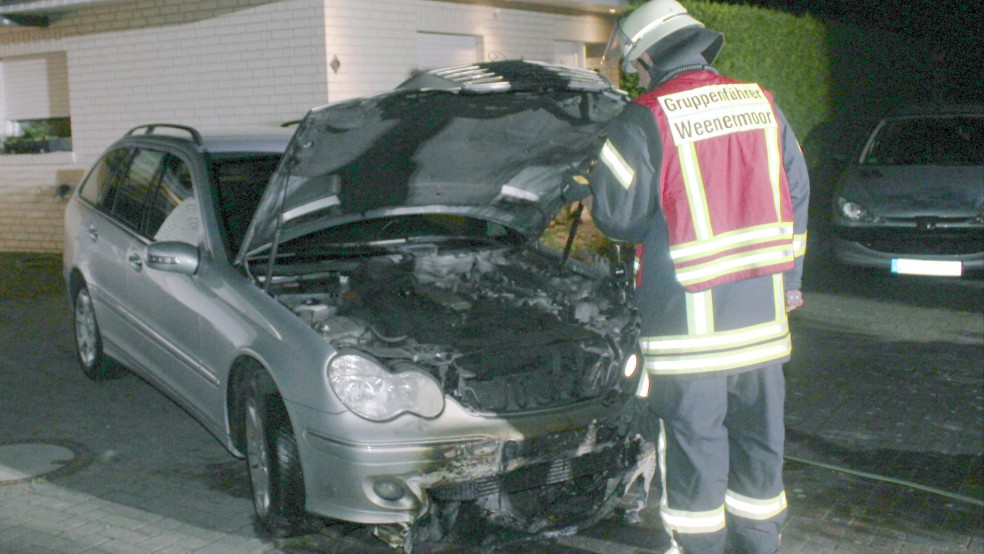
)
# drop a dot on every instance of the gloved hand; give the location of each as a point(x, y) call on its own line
point(636, 418)
point(576, 188)
point(794, 299)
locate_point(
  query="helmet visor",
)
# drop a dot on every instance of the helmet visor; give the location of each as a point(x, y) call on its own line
point(611, 60)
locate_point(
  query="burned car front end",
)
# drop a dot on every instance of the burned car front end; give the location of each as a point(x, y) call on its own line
point(471, 379)
point(472, 371)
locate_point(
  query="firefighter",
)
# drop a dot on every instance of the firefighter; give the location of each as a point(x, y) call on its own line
point(705, 175)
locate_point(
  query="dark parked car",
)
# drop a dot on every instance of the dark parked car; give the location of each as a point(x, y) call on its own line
point(381, 335)
point(912, 200)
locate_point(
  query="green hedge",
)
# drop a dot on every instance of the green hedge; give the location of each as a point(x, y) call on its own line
point(785, 53)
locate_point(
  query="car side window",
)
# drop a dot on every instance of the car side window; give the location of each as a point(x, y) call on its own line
point(100, 186)
point(173, 213)
point(136, 188)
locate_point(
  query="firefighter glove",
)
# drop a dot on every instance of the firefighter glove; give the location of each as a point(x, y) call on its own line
point(637, 418)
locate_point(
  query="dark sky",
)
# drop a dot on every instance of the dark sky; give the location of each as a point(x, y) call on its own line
point(960, 20)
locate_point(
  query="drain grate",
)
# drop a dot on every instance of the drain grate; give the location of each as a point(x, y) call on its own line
point(23, 461)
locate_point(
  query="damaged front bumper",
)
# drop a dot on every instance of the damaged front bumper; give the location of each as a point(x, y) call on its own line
point(537, 474)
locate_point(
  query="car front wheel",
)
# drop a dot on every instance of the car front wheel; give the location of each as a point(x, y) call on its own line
point(88, 341)
point(274, 464)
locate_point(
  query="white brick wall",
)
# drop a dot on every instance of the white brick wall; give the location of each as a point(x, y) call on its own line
point(375, 40)
point(30, 215)
point(232, 63)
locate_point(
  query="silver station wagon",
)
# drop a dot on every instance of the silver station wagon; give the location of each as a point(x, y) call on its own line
point(364, 310)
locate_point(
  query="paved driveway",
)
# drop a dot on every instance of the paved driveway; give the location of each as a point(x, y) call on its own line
point(887, 385)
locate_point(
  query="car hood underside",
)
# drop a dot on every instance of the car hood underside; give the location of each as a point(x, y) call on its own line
point(501, 157)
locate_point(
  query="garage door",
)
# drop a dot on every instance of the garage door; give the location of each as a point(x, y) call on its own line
point(441, 50)
point(569, 53)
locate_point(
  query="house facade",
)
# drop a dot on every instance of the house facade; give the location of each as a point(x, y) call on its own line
point(82, 72)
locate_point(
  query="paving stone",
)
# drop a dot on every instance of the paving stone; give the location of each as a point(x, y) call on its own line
point(157, 482)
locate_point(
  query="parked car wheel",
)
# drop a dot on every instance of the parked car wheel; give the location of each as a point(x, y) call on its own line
point(274, 463)
point(88, 342)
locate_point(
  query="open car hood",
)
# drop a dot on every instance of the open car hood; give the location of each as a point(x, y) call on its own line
point(495, 141)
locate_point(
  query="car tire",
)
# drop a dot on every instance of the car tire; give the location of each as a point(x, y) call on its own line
point(95, 364)
point(274, 464)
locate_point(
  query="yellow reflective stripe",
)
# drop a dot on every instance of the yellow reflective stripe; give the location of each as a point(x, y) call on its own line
point(693, 183)
point(719, 361)
point(799, 245)
point(732, 239)
point(700, 312)
point(680, 344)
point(775, 168)
point(693, 522)
point(779, 298)
point(732, 264)
point(754, 508)
point(614, 161)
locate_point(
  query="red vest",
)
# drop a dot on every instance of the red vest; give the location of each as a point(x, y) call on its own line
point(722, 184)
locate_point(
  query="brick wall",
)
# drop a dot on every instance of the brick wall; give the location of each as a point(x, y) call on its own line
point(377, 45)
point(213, 64)
point(223, 64)
point(30, 213)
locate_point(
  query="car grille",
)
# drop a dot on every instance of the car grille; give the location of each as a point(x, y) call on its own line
point(555, 376)
point(533, 476)
point(910, 241)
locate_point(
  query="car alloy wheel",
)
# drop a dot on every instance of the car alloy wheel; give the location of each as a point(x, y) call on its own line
point(256, 456)
point(88, 341)
point(274, 463)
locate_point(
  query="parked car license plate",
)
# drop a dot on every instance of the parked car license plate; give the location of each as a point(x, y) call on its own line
point(926, 267)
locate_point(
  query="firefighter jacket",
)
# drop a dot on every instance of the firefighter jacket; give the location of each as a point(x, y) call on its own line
point(704, 173)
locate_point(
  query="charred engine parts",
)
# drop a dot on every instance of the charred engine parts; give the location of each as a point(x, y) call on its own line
point(502, 330)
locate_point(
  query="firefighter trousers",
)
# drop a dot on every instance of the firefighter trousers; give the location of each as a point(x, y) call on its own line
point(721, 448)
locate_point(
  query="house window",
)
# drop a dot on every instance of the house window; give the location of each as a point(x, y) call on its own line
point(34, 105)
point(442, 50)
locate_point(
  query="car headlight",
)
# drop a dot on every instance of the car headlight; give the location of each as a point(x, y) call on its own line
point(853, 211)
point(374, 393)
point(630, 367)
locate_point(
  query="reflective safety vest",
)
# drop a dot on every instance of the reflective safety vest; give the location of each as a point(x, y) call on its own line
point(723, 187)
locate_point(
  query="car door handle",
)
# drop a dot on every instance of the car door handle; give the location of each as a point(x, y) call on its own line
point(135, 262)
point(93, 233)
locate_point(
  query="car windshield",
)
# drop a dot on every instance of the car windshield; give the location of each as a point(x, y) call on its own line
point(239, 182)
point(941, 140)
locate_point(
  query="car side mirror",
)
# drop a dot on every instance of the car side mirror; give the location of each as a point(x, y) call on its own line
point(173, 257)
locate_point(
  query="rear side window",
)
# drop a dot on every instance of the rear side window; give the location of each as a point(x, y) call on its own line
point(100, 186)
point(137, 188)
point(174, 188)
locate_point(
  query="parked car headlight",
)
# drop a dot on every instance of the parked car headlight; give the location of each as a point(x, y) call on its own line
point(853, 211)
point(374, 393)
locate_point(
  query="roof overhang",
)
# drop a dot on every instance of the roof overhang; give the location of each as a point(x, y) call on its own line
point(610, 7)
point(19, 9)
point(27, 8)
point(41, 13)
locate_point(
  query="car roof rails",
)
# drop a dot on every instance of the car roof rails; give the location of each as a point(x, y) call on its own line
point(149, 129)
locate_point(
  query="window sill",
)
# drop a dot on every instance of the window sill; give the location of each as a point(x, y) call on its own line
point(48, 158)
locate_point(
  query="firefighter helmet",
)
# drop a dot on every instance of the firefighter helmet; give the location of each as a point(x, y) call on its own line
point(655, 22)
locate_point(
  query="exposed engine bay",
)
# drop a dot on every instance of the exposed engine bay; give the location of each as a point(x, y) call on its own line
point(504, 330)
